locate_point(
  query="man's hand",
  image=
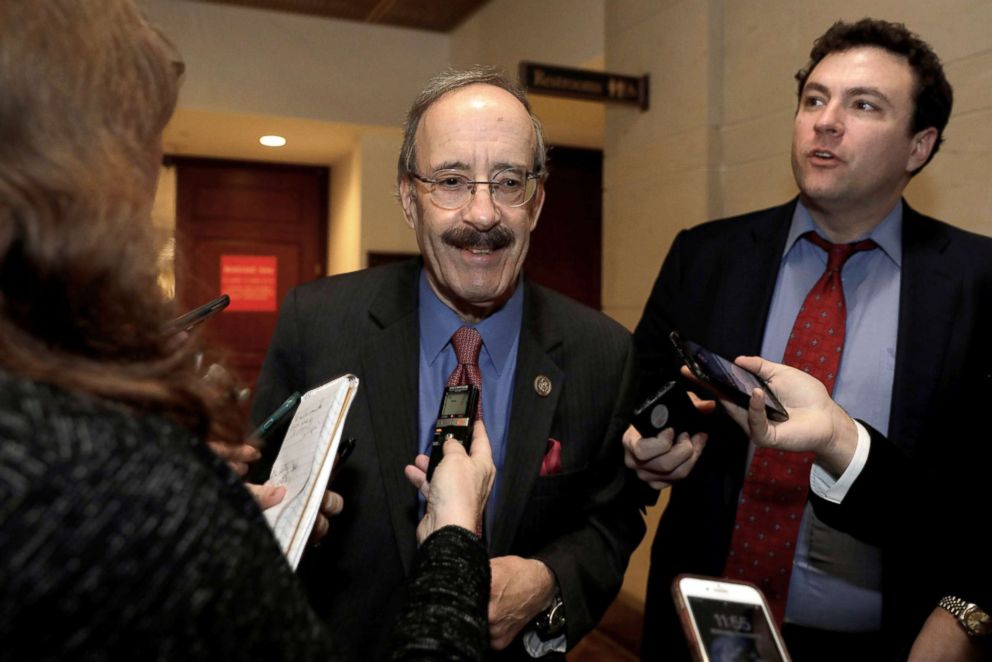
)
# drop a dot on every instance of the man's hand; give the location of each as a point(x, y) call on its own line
point(238, 456)
point(662, 460)
point(521, 589)
point(460, 487)
point(330, 505)
point(941, 638)
point(816, 423)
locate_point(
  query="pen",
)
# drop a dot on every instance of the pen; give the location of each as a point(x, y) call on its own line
point(277, 415)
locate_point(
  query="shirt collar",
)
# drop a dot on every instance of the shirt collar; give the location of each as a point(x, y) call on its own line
point(887, 234)
point(499, 331)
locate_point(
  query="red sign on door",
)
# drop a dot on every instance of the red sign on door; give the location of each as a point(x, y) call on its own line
point(250, 281)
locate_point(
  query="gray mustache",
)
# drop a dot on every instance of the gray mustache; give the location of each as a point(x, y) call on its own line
point(468, 238)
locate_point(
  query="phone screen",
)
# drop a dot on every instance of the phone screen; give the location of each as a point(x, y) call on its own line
point(455, 404)
point(732, 631)
point(723, 371)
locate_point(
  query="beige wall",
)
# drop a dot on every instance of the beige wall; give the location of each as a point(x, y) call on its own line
point(385, 229)
point(282, 64)
point(344, 233)
point(716, 139)
point(366, 215)
point(564, 32)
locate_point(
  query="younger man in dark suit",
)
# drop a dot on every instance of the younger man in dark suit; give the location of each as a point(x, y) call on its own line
point(906, 313)
point(555, 380)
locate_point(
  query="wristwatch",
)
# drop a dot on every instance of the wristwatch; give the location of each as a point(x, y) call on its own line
point(551, 622)
point(971, 617)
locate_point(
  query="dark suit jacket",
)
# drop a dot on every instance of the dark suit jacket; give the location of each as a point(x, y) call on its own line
point(932, 510)
point(583, 523)
point(715, 287)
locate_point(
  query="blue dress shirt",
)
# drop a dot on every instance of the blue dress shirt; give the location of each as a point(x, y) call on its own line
point(497, 362)
point(863, 387)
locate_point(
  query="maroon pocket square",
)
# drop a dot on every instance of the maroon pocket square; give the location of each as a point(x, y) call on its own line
point(551, 463)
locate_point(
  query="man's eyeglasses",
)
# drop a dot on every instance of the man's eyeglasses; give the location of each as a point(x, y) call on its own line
point(513, 187)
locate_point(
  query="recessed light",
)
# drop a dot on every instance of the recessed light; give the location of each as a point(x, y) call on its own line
point(272, 141)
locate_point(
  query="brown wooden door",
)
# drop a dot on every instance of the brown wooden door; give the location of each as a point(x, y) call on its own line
point(567, 245)
point(255, 230)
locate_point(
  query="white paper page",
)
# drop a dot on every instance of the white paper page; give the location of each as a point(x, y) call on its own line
point(305, 461)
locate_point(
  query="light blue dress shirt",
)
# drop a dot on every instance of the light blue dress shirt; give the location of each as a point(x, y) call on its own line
point(497, 362)
point(863, 387)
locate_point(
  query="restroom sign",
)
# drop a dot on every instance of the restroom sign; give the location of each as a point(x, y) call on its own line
point(250, 281)
point(585, 84)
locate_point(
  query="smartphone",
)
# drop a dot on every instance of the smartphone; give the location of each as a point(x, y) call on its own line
point(454, 421)
point(669, 407)
point(198, 315)
point(731, 380)
point(726, 620)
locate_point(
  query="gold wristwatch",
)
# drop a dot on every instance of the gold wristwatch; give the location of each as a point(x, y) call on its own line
point(975, 621)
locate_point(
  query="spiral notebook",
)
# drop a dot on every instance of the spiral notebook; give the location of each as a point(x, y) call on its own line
point(305, 461)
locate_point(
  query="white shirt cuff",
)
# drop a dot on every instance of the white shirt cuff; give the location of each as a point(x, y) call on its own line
point(537, 647)
point(823, 484)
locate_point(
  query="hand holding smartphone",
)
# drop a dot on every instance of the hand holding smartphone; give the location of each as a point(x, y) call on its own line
point(727, 378)
point(726, 620)
point(198, 315)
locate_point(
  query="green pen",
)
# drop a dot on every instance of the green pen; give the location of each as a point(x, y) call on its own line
point(277, 415)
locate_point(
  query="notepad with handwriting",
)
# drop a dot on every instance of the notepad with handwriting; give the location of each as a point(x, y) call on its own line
point(305, 461)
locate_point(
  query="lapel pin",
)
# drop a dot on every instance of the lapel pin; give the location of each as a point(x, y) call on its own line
point(542, 385)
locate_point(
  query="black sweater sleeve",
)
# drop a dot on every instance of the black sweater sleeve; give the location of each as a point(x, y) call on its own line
point(445, 614)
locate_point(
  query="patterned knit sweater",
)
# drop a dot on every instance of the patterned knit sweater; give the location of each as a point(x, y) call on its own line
point(122, 536)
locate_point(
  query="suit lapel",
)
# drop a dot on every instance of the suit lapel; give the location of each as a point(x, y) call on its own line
point(928, 298)
point(530, 421)
point(390, 362)
point(749, 283)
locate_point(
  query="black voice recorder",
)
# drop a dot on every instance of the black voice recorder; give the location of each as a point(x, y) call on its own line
point(669, 407)
point(454, 421)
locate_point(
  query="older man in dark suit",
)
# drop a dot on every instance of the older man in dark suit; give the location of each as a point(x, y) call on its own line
point(555, 383)
point(905, 322)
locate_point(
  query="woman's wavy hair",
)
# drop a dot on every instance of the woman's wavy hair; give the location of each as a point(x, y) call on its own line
point(86, 88)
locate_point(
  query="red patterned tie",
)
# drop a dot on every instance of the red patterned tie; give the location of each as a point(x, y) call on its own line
point(777, 482)
point(467, 343)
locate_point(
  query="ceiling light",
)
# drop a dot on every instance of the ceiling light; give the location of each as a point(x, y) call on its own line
point(272, 141)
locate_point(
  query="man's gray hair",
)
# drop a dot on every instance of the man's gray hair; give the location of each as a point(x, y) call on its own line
point(451, 80)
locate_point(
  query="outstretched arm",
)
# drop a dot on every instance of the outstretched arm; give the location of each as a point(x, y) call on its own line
point(816, 423)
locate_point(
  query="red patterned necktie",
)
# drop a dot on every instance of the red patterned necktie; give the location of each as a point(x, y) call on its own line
point(467, 343)
point(777, 482)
